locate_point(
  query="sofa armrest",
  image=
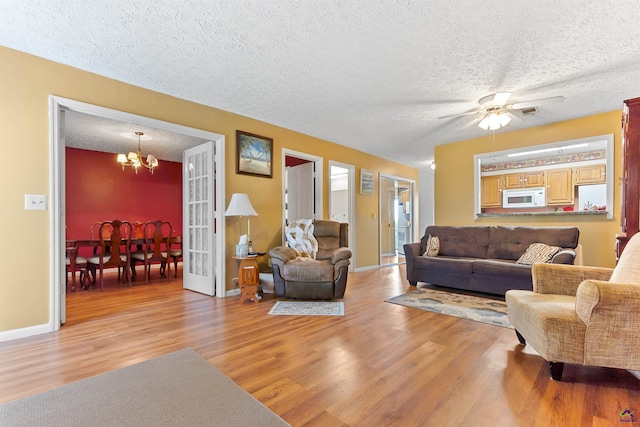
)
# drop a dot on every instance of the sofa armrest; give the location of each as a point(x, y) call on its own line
point(282, 254)
point(565, 256)
point(563, 279)
point(411, 252)
point(597, 295)
point(340, 254)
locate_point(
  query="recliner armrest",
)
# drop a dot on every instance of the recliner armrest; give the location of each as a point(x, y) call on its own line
point(561, 279)
point(282, 254)
point(340, 253)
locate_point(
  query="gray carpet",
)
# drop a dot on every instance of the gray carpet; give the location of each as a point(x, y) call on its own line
point(177, 389)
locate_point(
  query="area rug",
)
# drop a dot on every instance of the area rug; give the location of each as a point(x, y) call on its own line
point(308, 308)
point(177, 389)
point(480, 309)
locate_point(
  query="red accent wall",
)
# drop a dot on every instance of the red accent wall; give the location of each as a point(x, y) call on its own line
point(98, 190)
point(294, 161)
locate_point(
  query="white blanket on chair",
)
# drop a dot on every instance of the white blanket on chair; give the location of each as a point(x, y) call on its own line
point(301, 239)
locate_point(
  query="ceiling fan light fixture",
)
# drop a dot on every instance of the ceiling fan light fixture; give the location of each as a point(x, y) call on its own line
point(493, 121)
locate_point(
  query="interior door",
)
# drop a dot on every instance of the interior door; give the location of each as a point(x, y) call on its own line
point(387, 217)
point(342, 199)
point(396, 218)
point(300, 191)
point(198, 180)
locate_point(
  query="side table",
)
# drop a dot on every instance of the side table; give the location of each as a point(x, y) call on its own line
point(248, 277)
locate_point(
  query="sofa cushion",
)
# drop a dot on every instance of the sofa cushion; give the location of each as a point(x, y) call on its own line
point(496, 267)
point(512, 242)
point(455, 265)
point(471, 242)
point(537, 253)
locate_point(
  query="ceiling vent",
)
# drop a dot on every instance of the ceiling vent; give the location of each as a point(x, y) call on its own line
point(529, 111)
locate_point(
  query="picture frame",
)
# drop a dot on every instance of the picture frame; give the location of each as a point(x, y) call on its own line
point(366, 181)
point(254, 154)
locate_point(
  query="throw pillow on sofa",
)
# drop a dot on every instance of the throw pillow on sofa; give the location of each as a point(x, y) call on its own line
point(433, 246)
point(538, 253)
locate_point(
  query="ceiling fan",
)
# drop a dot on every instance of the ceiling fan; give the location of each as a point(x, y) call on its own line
point(495, 113)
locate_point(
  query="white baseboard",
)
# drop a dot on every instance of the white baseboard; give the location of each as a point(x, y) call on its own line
point(25, 332)
point(232, 292)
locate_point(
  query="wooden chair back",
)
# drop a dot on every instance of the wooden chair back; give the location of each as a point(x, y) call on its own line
point(114, 244)
point(158, 233)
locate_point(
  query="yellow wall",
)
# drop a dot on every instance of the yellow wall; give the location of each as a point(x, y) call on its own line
point(454, 182)
point(25, 84)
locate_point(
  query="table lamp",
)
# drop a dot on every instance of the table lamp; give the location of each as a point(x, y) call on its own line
point(240, 205)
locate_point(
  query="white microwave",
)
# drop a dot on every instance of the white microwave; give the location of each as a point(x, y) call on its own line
point(524, 198)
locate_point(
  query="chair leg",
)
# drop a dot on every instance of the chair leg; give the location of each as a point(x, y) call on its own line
point(521, 338)
point(556, 369)
point(163, 268)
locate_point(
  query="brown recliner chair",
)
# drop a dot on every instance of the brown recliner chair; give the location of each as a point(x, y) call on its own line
point(322, 278)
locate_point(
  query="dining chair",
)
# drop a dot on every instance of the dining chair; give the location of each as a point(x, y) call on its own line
point(156, 235)
point(75, 263)
point(113, 251)
point(174, 254)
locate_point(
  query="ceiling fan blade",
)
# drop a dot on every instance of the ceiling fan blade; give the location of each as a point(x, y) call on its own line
point(501, 98)
point(537, 102)
point(514, 118)
point(459, 115)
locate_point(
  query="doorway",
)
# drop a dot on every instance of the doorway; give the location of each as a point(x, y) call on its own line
point(396, 204)
point(57, 108)
point(342, 199)
point(301, 187)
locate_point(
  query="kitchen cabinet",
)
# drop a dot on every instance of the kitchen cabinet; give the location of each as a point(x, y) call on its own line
point(524, 180)
point(590, 175)
point(560, 189)
point(491, 191)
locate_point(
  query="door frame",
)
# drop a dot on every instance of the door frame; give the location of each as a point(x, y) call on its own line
point(57, 182)
point(318, 181)
point(351, 194)
point(413, 209)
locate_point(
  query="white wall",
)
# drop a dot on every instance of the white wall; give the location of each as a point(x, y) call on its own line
point(426, 207)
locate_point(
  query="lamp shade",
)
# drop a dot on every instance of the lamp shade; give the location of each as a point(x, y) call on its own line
point(240, 205)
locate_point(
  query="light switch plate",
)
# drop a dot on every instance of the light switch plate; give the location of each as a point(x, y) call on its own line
point(35, 202)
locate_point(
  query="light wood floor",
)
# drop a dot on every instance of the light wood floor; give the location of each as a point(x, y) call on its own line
point(380, 364)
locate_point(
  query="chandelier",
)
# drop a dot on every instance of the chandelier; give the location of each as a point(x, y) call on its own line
point(136, 160)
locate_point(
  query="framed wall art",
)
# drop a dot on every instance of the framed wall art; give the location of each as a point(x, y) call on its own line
point(366, 181)
point(254, 154)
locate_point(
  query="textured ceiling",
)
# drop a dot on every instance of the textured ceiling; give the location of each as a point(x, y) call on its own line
point(374, 75)
point(112, 136)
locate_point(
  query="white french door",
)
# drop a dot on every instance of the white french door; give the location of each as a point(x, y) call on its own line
point(198, 180)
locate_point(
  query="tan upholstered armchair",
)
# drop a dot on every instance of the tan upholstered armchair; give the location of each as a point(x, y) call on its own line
point(582, 315)
point(322, 278)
